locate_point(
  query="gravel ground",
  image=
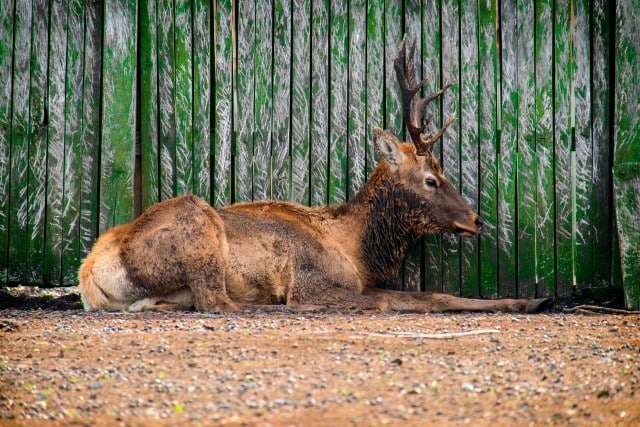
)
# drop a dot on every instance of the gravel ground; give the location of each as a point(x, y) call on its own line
point(60, 366)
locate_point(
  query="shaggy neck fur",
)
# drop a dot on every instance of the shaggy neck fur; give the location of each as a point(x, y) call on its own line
point(386, 210)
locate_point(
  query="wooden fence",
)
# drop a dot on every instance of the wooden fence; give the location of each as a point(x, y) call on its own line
point(109, 107)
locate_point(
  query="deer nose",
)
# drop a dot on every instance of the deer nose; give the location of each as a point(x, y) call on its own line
point(479, 223)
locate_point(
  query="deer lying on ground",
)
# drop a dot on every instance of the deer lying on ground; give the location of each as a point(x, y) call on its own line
point(182, 253)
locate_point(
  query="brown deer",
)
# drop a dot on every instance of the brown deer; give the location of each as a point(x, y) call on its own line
point(182, 253)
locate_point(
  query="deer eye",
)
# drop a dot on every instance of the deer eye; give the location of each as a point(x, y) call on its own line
point(431, 182)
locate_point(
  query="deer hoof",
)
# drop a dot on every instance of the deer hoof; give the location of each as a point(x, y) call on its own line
point(539, 304)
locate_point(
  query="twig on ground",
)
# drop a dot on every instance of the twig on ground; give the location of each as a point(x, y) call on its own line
point(444, 336)
point(594, 309)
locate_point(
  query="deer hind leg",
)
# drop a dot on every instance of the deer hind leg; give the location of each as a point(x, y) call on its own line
point(182, 299)
point(434, 302)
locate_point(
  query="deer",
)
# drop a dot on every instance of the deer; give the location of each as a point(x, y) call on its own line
point(183, 254)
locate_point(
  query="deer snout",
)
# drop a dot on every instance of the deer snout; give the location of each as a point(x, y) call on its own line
point(469, 227)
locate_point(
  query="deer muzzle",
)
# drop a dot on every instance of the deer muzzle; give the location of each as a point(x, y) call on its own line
point(468, 228)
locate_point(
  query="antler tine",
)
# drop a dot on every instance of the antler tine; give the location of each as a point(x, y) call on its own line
point(430, 139)
point(405, 72)
point(413, 104)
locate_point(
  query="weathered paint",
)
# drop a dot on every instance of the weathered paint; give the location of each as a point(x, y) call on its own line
point(338, 97)
point(469, 173)
point(357, 97)
point(244, 121)
point(202, 87)
point(507, 172)
point(72, 172)
point(545, 203)
point(562, 151)
point(375, 76)
point(55, 145)
point(166, 99)
point(263, 60)
point(583, 144)
point(183, 69)
point(149, 103)
point(19, 153)
point(526, 165)
point(319, 102)
point(300, 101)
point(118, 114)
point(37, 180)
point(601, 91)
point(90, 125)
point(413, 271)
point(281, 137)
point(222, 104)
point(488, 69)
point(6, 87)
point(451, 138)
point(626, 161)
point(431, 58)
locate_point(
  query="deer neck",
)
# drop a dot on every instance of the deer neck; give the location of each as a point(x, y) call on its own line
point(386, 233)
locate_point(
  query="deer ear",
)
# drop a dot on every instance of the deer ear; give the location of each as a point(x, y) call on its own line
point(387, 147)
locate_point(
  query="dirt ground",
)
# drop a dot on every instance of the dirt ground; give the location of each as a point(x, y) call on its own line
point(60, 366)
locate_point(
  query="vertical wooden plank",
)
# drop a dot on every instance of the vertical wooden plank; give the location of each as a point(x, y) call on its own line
point(469, 250)
point(375, 76)
point(149, 107)
point(55, 148)
point(263, 99)
point(300, 102)
point(601, 91)
point(183, 46)
point(71, 256)
point(91, 124)
point(357, 97)
point(244, 121)
point(338, 39)
point(392, 39)
point(545, 239)
point(319, 101)
point(166, 99)
point(118, 114)
point(223, 111)
point(627, 141)
point(487, 140)
point(584, 189)
point(451, 138)
point(507, 172)
point(202, 99)
point(414, 259)
point(392, 96)
point(431, 58)
point(526, 161)
point(562, 143)
point(19, 161)
point(6, 65)
point(37, 179)
point(280, 153)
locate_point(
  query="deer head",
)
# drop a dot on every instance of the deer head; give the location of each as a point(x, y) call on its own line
point(432, 203)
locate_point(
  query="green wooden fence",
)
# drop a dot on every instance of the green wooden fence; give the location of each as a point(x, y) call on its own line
point(109, 107)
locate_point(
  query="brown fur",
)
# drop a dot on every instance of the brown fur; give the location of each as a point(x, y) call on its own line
point(182, 253)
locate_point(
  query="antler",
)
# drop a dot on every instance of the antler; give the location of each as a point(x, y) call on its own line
point(412, 104)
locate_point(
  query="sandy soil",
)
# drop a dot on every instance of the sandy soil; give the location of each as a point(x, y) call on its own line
point(60, 366)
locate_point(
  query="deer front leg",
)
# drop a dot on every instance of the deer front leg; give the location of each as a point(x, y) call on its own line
point(432, 302)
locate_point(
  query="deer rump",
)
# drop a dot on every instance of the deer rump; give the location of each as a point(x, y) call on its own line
point(183, 254)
